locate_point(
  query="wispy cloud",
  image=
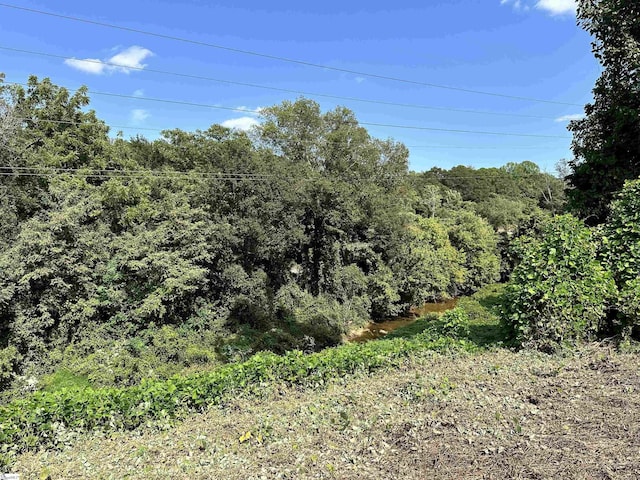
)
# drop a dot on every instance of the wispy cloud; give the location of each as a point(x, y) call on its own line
point(516, 4)
point(241, 123)
point(124, 62)
point(552, 7)
point(88, 65)
point(252, 111)
point(568, 118)
point(359, 79)
point(139, 115)
point(139, 93)
point(558, 7)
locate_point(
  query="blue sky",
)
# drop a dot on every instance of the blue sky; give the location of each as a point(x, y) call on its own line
point(524, 48)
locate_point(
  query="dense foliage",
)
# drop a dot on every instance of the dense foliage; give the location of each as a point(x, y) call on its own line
point(621, 252)
point(560, 292)
point(123, 259)
point(605, 142)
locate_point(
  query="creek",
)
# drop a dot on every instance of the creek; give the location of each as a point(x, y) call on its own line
point(374, 330)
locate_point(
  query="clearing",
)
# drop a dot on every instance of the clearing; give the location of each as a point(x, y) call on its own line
point(495, 414)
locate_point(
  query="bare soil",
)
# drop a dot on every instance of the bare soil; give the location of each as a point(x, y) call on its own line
point(492, 415)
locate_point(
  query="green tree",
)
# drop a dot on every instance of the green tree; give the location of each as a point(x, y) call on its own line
point(605, 142)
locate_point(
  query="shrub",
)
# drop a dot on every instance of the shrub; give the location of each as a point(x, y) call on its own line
point(629, 306)
point(455, 323)
point(559, 292)
point(621, 252)
point(322, 317)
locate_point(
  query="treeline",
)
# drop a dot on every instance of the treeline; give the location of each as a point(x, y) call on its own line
point(127, 258)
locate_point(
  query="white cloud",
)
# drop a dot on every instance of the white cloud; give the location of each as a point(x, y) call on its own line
point(242, 123)
point(359, 79)
point(138, 93)
point(139, 115)
point(553, 7)
point(572, 116)
point(128, 59)
point(558, 7)
point(517, 4)
point(253, 111)
point(88, 65)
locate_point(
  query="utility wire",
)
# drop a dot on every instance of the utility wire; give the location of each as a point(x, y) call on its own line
point(140, 172)
point(285, 90)
point(386, 125)
point(279, 58)
point(479, 147)
point(8, 171)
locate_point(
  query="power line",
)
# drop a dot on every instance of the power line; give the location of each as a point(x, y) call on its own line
point(386, 125)
point(282, 59)
point(285, 90)
point(452, 130)
point(133, 174)
point(9, 171)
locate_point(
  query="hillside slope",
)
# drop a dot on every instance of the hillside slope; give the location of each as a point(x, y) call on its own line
point(494, 414)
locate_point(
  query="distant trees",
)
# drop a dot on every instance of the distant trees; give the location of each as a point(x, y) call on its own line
point(292, 235)
point(605, 143)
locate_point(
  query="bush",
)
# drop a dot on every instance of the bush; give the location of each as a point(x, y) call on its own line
point(629, 306)
point(621, 252)
point(455, 323)
point(322, 317)
point(559, 292)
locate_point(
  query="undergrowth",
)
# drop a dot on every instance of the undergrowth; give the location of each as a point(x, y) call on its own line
point(45, 418)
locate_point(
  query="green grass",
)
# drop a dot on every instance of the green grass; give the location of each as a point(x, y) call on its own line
point(483, 325)
point(38, 420)
point(64, 379)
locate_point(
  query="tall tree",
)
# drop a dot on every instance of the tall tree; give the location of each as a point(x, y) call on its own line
point(605, 142)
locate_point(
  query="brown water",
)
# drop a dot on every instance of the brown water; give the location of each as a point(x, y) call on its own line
point(375, 330)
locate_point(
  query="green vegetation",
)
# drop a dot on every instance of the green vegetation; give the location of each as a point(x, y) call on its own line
point(621, 253)
point(573, 282)
point(142, 280)
point(559, 293)
point(40, 419)
point(605, 146)
point(495, 413)
point(476, 319)
point(69, 404)
point(125, 259)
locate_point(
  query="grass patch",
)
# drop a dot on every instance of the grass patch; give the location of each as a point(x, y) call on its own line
point(495, 414)
point(64, 379)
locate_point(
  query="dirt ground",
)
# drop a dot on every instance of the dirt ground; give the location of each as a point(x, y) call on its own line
point(492, 415)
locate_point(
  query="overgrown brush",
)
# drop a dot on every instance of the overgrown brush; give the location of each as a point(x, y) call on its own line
point(45, 417)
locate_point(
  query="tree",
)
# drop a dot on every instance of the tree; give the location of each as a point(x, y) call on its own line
point(605, 143)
